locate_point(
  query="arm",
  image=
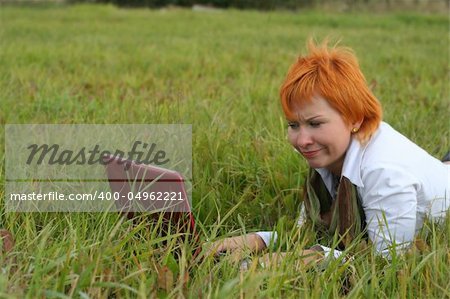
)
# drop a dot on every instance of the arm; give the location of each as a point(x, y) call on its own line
point(389, 200)
point(306, 257)
point(252, 242)
point(325, 251)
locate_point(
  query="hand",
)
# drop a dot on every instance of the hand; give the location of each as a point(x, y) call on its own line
point(238, 244)
point(306, 258)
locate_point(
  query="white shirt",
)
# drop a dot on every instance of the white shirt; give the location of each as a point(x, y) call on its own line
point(399, 185)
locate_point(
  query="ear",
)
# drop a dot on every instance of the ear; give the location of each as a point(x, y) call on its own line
point(358, 124)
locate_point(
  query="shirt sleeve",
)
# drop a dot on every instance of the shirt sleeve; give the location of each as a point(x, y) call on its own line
point(302, 218)
point(389, 200)
point(267, 237)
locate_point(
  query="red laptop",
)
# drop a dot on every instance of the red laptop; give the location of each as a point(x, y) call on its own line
point(151, 191)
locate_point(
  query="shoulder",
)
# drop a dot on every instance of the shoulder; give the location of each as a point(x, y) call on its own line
point(390, 161)
point(389, 149)
point(387, 176)
point(382, 152)
point(387, 142)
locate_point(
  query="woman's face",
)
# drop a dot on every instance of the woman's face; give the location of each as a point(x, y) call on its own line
point(320, 134)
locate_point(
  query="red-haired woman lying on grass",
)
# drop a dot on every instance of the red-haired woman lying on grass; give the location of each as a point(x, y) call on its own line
point(365, 178)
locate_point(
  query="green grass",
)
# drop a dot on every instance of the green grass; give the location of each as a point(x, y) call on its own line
point(221, 73)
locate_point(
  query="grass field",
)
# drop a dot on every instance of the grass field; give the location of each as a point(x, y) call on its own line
point(220, 72)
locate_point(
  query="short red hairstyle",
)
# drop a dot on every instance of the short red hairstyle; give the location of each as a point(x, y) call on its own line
point(334, 74)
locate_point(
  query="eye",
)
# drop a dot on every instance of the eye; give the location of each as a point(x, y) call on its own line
point(293, 125)
point(315, 124)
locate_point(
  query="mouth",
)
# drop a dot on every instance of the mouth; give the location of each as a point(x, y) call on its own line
point(311, 154)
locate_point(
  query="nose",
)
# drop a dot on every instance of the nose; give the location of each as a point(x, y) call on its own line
point(304, 138)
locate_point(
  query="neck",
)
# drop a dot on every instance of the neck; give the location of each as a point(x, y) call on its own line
point(336, 167)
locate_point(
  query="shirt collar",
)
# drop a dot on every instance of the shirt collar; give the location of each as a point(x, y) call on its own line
point(351, 168)
point(352, 163)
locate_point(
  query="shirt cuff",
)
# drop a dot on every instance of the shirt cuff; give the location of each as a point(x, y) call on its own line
point(268, 237)
point(327, 251)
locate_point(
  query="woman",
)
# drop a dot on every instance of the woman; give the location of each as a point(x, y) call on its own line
point(365, 177)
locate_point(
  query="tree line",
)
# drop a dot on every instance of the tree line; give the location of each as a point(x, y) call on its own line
point(240, 4)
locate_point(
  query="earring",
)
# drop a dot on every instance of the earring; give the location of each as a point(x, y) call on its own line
point(355, 130)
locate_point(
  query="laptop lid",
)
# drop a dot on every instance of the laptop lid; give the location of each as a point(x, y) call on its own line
point(147, 188)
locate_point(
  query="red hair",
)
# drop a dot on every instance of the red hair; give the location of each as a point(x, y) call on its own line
point(334, 74)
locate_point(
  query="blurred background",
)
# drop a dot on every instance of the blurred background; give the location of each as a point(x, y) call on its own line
point(340, 5)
